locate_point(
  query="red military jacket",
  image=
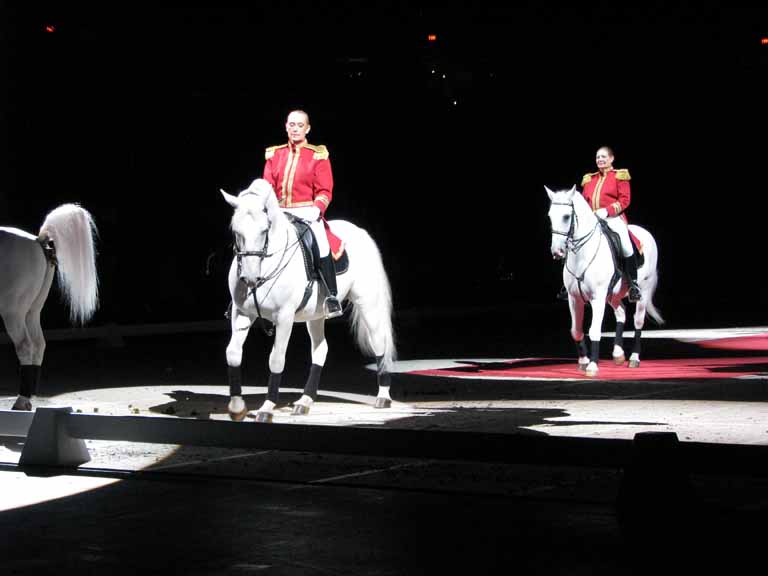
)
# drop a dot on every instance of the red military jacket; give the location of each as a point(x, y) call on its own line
point(610, 191)
point(301, 175)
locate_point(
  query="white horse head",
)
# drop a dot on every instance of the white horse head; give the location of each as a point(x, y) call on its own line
point(256, 212)
point(568, 211)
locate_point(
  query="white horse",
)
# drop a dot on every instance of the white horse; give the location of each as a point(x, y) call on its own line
point(65, 244)
point(267, 279)
point(587, 274)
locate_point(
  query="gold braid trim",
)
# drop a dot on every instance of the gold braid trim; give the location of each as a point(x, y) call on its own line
point(269, 152)
point(587, 178)
point(321, 152)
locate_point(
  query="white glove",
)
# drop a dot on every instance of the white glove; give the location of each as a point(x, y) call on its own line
point(313, 213)
point(601, 213)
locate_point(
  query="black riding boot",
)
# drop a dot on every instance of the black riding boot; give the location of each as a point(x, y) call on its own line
point(630, 268)
point(328, 276)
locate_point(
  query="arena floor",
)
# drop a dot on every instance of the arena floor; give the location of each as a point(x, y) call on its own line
point(190, 509)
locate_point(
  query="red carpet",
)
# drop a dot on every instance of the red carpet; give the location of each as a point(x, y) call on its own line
point(754, 342)
point(556, 368)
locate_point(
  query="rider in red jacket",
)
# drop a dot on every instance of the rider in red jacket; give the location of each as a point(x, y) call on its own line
point(301, 176)
point(608, 193)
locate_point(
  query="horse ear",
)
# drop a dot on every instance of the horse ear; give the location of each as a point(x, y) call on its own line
point(231, 200)
point(572, 191)
point(549, 193)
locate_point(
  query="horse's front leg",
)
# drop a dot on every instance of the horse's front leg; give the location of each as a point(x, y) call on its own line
point(316, 329)
point(595, 333)
point(236, 408)
point(283, 328)
point(618, 342)
point(576, 306)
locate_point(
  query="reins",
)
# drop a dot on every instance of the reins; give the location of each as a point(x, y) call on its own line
point(273, 275)
point(574, 245)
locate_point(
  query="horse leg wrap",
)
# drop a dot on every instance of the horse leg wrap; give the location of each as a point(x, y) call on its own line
point(619, 340)
point(581, 348)
point(382, 376)
point(273, 388)
point(638, 334)
point(313, 381)
point(235, 376)
point(30, 378)
point(595, 356)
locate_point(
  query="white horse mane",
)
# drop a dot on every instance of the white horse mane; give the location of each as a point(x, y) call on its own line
point(253, 199)
point(258, 187)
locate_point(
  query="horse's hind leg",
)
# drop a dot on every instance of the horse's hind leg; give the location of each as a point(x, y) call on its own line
point(29, 373)
point(32, 362)
point(316, 329)
point(634, 359)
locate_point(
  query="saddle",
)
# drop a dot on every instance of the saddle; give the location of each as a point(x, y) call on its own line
point(615, 244)
point(311, 255)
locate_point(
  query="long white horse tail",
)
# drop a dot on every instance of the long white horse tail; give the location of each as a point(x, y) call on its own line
point(372, 310)
point(650, 307)
point(72, 230)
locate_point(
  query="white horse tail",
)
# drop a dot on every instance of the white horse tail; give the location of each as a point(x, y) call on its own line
point(650, 307)
point(371, 296)
point(72, 230)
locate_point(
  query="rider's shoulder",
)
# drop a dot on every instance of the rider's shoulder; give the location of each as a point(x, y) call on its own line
point(321, 152)
point(588, 177)
point(269, 152)
point(622, 174)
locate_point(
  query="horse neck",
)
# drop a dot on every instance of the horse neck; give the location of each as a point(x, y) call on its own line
point(586, 223)
point(280, 229)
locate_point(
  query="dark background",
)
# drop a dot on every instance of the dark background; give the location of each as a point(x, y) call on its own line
point(440, 149)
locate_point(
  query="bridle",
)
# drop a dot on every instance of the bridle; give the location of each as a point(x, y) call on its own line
point(262, 255)
point(573, 245)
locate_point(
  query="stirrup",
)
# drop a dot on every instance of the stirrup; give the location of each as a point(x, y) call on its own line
point(333, 307)
point(634, 294)
point(563, 294)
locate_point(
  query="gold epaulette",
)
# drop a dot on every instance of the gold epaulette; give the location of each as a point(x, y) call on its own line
point(587, 178)
point(623, 174)
point(269, 152)
point(321, 152)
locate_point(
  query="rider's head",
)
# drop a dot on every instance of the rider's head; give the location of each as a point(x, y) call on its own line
point(297, 126)
point(604, 158)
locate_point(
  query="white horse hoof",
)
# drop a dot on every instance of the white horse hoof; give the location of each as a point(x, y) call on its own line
point(619, 360)
point(237, 409)
point(300, 410)
point(382, 402)
point(592, 371)
point(265, 417)
point(22, 403)
point(634, 363)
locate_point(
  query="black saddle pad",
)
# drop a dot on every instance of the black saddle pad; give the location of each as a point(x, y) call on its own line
point(307, 237)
